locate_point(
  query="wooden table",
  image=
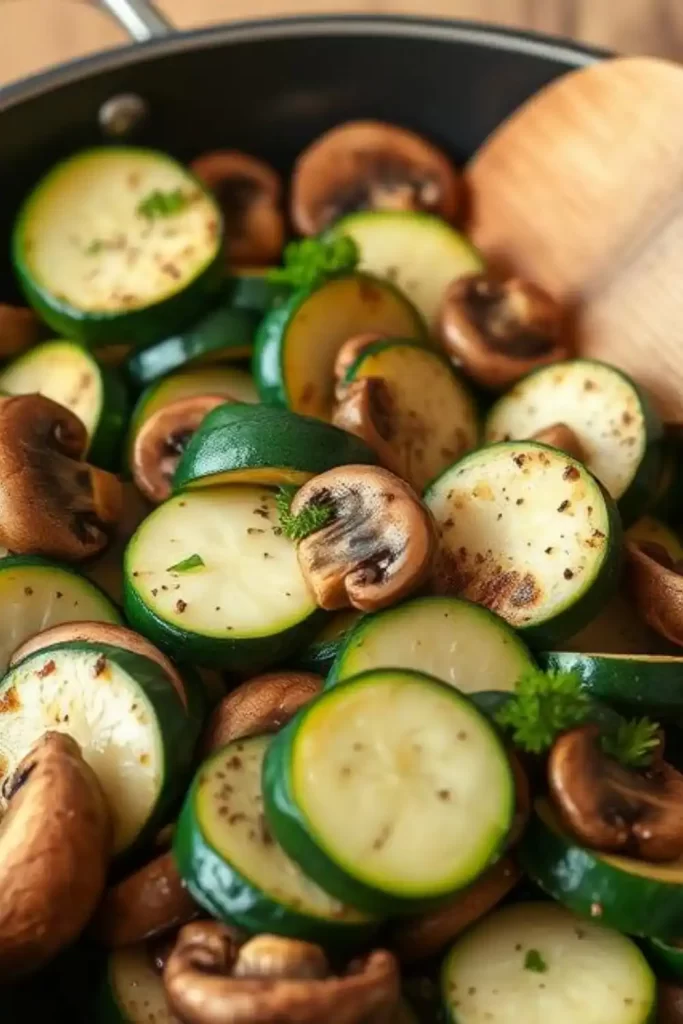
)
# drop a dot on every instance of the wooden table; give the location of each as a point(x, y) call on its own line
point(37, 33)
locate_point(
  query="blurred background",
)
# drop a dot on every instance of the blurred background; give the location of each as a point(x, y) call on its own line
point(37, 33)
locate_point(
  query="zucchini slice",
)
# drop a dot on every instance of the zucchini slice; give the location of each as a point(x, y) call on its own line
point(36, 594)
point(260, 444)
point(222, 335)
point(418, 252)
point(319, 655)
point(526, 531)
point(210, 577)
point(250, 288)
point(431, 417)
point(665, 957)
point(455, 641)
point(133, 990)
point(123, 711)
point(237, 872)
point(389, 790)
point(67, 373)
point(618, 429)
point(630, 895)
point(297, 343)
point(539, 962)
point(118, 243)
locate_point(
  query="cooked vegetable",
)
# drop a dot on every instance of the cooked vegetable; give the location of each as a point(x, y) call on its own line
point(274, 981)
point(223, 335)
point(617, 629)
point(377, 546)
point(619, 432)
point(499, 330)
point(418, 253)
point(371, 165)
point(244, 607)
point(19, 329)
point(542, 707)
point(536, 961)
point(455, 641)
point(123, 711)
point(118, 242)
point(665, 957)
point(51, 503)
point(68, 374)
point(312, 261)
point(297, 343)
point(107, 569)
point(320, 654)
point(655, 583)
point(251, 288)
point(241, 444)
point(669, 1002)
point(559, 435)
point(132, 990)
point(236, 871)
point(650, 531)
point(526, 531)
point(36, 595)
point(418, 770)
point(55, 845)
point(422, 420)
point(249, 194)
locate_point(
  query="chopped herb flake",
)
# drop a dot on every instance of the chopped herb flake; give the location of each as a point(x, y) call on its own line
point(192, 562)
point(533, 961)
point(311, 261)
point(163, 204)
point(298, 527)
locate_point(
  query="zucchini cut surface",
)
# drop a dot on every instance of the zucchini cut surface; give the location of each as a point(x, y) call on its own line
point(460, 643)
point(389, 788)
point(537, 962)
point(526, 531)
point(133, 991)
point(233, 866)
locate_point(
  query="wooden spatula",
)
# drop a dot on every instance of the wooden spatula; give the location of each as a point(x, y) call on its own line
point(581, 190)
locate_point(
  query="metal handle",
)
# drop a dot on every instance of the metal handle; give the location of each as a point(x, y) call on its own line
point(139, 18)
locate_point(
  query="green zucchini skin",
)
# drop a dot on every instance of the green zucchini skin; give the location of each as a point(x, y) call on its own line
point(225, 893)
point(320, 654)
point(255, 292)
point(238, 437)
point(667, 960)
point(105, 445)
point(587, 884)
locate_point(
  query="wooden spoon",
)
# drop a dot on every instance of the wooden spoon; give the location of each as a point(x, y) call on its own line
point(581, 190)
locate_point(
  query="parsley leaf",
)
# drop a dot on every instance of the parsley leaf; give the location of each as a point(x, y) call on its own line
point(163, 204)
point(191, 562)
point(533, 961)
point(543, 706)
point(634, 742)
point(298, 527)
point(309, 262)
point(95, 247)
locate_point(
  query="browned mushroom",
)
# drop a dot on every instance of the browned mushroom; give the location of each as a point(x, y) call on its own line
point(365, 409)
point(55, 843)
point(520, 819)
point(500, 330)
point(249, 193)
point(162, 439)
point(347, 355)
point(559, 435)
point(376, 547)
point(613, 808)
point(370, 165)
point(669, 1003)
point(655, 582)
point(273, 980)
point(260, 705)
point(416, 938)
point(19, 329)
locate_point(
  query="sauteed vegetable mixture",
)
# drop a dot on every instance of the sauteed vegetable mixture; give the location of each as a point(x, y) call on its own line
point(342, 612)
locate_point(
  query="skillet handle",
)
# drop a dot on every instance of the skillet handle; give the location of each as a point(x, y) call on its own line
point(139, 18)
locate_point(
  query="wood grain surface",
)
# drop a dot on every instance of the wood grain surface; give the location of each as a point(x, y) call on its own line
point(37, 33)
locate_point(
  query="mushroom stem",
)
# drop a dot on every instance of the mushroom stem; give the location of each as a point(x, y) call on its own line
point(559, 435)
point(656, 586)
point(363, 411)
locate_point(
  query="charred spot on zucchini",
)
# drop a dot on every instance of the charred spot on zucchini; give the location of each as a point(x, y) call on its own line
point(528, 532)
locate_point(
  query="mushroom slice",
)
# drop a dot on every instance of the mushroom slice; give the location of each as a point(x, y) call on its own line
point(559, 435)
point(669, 1002)
point(55, 843)
point(655, 582)
point(19, 329)
point(370, 165)
point(51, 503)
point(147, 903)
point(260, 705)
point(365, 409)
point(274, 980)
point(612, 808)
point(249, 193)
point(377, 545)
point(163, 438)
point(347, 355)
point(500, 330)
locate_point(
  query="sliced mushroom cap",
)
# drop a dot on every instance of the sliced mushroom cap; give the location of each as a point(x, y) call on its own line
point(148, 903)
point(51, 503)
point(209, 981)
point(655, 583)
point(612, 808)
point(669, 1002)
point(378, 544)
point(559, 435)
point(347, 355)
point(20, 328)
point(260, 705)
point(162, 439)
point(498, 331)
point(370, 165)
point(249, 193)
point(366, 410)
point(55, 844)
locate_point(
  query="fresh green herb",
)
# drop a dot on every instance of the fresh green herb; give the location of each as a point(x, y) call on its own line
point(97, 245)
point(298, 527)
point(533, 961)
point(543, 706)
point(191, 562)
point(163, 204)
point(311, 261)
point(634, 743)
